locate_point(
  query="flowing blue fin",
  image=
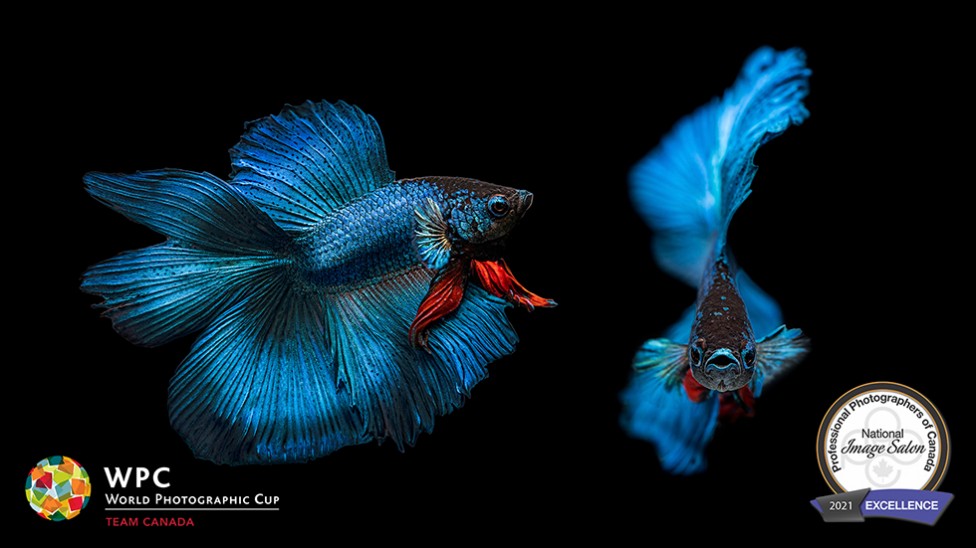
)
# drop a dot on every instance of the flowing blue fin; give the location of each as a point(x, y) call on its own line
point(195, 210)
point(777, 352)
point(259, 386)
point(678, 427)
point(667, 360)
point(400, 389)
point(689, 187)
point(309, 160)
point(159, 293)
point(766, 99)
point(676, 189)
point(218, 242)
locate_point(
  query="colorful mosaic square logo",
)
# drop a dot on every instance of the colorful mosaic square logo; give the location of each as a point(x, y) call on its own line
point(58, 488)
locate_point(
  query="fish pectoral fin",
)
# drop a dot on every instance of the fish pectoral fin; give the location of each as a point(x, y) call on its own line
point(668, 360)
point(497, 279)
point(432, 241)
point(777, 352)
point(756, 384)
point(443, 297)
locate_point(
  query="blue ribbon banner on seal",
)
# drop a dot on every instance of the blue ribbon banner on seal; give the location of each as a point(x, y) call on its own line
point(904, 504)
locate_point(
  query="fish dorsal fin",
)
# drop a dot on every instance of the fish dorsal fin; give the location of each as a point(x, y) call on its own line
point(309, 160)
point(432, 240)
point(766, 99)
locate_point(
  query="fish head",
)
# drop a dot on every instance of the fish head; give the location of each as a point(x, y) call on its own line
point(460, 236)
point(482, 213)
point(723, 365)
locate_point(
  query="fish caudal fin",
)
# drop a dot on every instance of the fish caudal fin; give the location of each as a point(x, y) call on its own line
point(679, 428)
point(218, 243)
point(691, 185)
point(259, 384)
point(160, 293)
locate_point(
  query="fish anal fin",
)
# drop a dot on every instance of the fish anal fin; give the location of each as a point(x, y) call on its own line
point(443, 297)
point(259, 386)
point(397, 389)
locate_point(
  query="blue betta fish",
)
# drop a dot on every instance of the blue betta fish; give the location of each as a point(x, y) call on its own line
point(710, 366)
point(337, 304)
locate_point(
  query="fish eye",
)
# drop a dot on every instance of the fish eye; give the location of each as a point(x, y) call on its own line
point(749, 355)
point(695, 354)
point(498, 206)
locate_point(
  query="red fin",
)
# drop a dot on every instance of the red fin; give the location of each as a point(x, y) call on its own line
point(737, 405)
point(443, 297)
point(498, 280)
point(696, 392)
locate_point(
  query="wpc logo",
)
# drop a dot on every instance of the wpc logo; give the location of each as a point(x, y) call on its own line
point(58, 488)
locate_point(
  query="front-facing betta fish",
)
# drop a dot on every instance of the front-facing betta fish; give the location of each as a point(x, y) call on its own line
point(711, 366)
point(338, 305)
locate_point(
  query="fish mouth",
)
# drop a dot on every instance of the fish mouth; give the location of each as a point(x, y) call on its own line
point(722, 372)
point(722, 360)
point(525, 201)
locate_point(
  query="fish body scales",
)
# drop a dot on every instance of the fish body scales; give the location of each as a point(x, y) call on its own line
point(370, 239)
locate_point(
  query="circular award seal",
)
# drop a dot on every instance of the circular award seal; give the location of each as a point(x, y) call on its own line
point(883, 435)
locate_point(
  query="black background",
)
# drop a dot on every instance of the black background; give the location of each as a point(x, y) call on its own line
point(851, 227)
